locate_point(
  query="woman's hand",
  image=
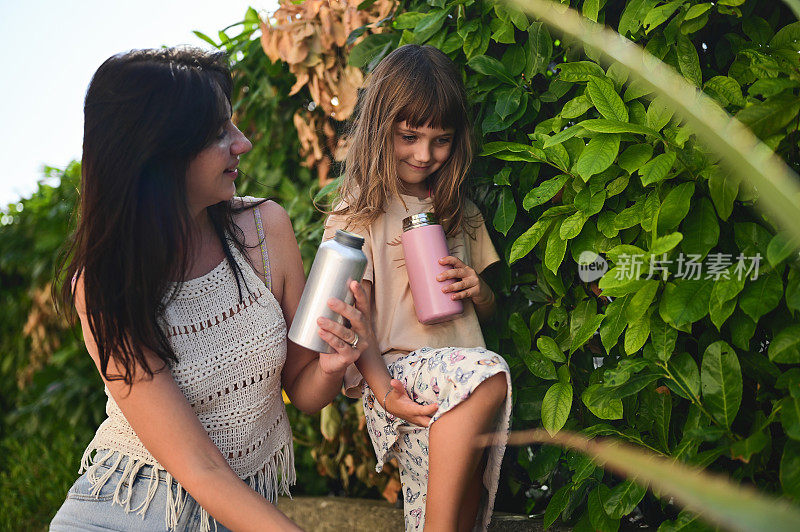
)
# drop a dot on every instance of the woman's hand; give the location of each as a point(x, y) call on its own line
point(399, 404)
point(469, 283)
point(343, 340)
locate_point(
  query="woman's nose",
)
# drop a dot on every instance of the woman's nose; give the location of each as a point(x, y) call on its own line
point(241, 144)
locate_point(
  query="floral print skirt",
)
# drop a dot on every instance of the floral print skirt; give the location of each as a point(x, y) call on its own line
point(446, 376)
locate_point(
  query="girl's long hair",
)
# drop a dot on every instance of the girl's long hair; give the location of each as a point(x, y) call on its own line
point(418, 85)
point(147, 113)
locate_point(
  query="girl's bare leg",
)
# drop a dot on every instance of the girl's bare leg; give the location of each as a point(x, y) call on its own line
point(453, 458)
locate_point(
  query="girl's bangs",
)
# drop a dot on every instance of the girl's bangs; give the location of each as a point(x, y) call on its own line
point(437, 108)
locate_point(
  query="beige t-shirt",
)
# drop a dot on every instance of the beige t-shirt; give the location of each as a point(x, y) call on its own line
point(396, 326)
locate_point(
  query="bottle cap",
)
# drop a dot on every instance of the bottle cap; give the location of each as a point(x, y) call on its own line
point(349, 239)
point(419, 220)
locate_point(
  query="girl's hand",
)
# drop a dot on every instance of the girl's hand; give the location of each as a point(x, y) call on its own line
point(340, 338)
point(399, 404)
point(469, 284)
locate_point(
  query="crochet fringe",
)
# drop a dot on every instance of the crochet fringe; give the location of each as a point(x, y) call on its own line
point(264, 481)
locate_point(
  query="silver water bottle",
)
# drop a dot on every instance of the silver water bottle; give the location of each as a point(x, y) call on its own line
point(338, 261)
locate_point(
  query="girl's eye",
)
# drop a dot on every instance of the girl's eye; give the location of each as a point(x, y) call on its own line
point(222, 134)
point(444, 140)
point(409, 138)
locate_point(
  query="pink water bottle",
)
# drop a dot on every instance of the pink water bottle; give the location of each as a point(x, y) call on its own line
point(424, 244)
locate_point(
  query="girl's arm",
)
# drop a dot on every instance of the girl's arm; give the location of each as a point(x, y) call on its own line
point(469, 284)
point(390, 393)
point(169, 429)
point(311, 380)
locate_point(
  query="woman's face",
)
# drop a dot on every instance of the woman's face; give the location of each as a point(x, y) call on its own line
point(419, 152)
point(211, 174)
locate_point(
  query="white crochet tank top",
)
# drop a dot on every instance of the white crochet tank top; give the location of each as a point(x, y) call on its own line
point(230, 356)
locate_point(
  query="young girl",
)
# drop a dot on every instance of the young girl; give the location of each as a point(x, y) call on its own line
point(182, 310)
point(409, 153)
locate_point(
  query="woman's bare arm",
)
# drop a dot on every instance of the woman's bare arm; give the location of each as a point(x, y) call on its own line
point(165, 423)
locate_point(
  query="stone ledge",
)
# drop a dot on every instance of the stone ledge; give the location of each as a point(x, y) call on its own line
point(335, 514)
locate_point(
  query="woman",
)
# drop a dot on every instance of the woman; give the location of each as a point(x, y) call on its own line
point(184, 309)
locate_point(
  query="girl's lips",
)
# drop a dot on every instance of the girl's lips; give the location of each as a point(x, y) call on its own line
point(420, 168)
point(232, 173)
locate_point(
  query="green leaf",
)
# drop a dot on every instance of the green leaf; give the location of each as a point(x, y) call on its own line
point(786, 36)
point(790, 469)
point(576, 107)
point(429, 25)
point(572, 225)
point(790, 417)
point(700, 229)
point(503, 31)
point(539, 365)
point(537, 319)
point(663, 337)
point(779, 248)
point(675, 207)
point(631, 19)
point(557, 503)
point(793, 289)
point(665, 243)
point(489, 66)
point(601, 403)
point(623, 498)
point(785, 346)
point(564, 135)
point(614, 322)
point(544, 192)
point(408, 20)
point(659, 113)
point(508, 101)
point(579, 71)
point(519, 332)
point(685, 375)
point(770, 116)
point(506, 211)
point(761, 295)
point(724, 189)
point(598, 155)
point(541, 49)
point(598, 517)
point(604, 125)
point(721, 379)
point(636, 334)
point(528, 240)
point(744, 449)
point(688, 60)
point(634, 157)
point(554, 251)
point(586, 331)
point(720, 312)
point(556, 406)
point(641, 301)
point(605, 99)
point(685, 301)
point(371, 47)
point(726, 89)
point(550, 349)
point(657, 169)
point(696, 10)
point(656, 17)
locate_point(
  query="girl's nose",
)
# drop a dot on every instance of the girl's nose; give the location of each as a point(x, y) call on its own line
point(423, 152)
point(241, 144)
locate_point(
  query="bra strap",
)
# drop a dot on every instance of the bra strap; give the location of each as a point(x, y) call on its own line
point(263, 244)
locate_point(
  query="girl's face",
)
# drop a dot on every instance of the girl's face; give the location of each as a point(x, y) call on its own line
point(420, 152)
point(211, 174)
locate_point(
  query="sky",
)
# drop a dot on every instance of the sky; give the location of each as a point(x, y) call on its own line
point(52, 49)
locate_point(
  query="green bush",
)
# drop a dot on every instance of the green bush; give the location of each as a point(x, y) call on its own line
point(577, 157)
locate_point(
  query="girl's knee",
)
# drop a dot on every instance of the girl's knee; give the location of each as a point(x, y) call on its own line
point(495, 389)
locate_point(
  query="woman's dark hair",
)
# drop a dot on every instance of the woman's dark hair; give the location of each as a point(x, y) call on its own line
point(147, 113)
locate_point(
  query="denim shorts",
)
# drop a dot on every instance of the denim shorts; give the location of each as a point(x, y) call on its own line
point(83, 510)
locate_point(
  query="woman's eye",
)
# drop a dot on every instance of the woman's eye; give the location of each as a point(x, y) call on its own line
point(222, 134)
